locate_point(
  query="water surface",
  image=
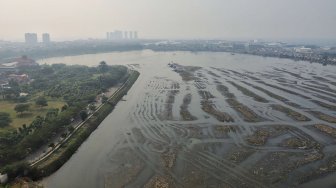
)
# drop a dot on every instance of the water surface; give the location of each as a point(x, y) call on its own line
point(146, 142)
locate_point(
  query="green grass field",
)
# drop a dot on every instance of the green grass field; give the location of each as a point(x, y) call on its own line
point(27, 117)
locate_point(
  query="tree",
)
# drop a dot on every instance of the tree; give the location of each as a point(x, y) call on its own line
point(71, 129)
point(41, 101)
point(103, 67)
point(51, 145)
point(92, 107)
point(37, 122)
point(20, 130)
point(5, 119)
point(104, 99)
point(64, 108)
point(83, 115)
point(15, 169)
point(25, 130)
point(47, 70)
point(22, 99)
point(52, 113)
point(20, 108)
point(11, 93)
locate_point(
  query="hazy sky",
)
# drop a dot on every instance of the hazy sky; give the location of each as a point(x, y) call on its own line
point(72, 19)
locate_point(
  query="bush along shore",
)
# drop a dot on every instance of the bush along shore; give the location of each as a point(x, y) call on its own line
point(55, 159)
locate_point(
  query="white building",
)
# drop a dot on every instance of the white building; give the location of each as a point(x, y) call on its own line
point(303, 50)
point(3, 178)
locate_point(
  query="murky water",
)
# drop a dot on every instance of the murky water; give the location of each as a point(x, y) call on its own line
point(224, 121)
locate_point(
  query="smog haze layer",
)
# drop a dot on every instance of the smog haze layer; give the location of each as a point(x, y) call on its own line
point(173, 19)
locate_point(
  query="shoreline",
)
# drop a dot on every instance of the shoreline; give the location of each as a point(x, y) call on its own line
point(63, 152)
point(40, 59)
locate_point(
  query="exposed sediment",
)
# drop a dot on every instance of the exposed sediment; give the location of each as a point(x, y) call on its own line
point(261, 148)
point(184, 112)
point(247, 113)
point(249, 93)
point(323, 116)
point(167, 114)
point(169, 158)
point(208, 107)
point(160, 182)
point(331, 131)
point(290, 113)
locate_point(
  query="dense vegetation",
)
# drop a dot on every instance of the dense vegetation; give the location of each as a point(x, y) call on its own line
point(4, 119)
point(77, 85)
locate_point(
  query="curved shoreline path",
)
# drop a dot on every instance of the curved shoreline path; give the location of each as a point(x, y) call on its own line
point(56, 158)
point(76, 128)
point(45, 150)
point(210, 119)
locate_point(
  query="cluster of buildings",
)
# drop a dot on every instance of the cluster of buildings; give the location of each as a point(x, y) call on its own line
point(32, 39)
point(122, 35)
point(311, 53)
point(10, 71)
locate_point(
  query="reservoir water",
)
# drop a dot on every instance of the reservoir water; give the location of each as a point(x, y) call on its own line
point(213, 120)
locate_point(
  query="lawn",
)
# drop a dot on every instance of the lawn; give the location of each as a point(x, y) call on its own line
point(26, 118)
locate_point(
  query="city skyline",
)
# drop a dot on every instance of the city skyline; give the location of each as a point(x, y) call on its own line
point(122, 35)
point(33, 38)
point(197, 19)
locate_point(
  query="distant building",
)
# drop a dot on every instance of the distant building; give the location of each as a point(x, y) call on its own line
point(7, 69)
point(113, 36)
point(122, 35)
point(135, 35)
point(21, 78)
point(24, 94)
point(131, 35)
point(107, 35)
point(46, 38)
point(303, 50)
point(31, 38)
point(23, 61)
point(125, 35)
point(3, 84)
point(116, 35)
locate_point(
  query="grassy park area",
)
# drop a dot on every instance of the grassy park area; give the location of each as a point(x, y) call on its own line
point(19, 119)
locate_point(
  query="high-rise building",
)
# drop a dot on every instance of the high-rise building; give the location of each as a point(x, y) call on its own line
point(135, 35)
point(107, 35)
point(125, 35)
point(112, 36)
point(131, 35)
point(120, 35)
point(46, 38)
point(31, 38)
point(116, 35)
